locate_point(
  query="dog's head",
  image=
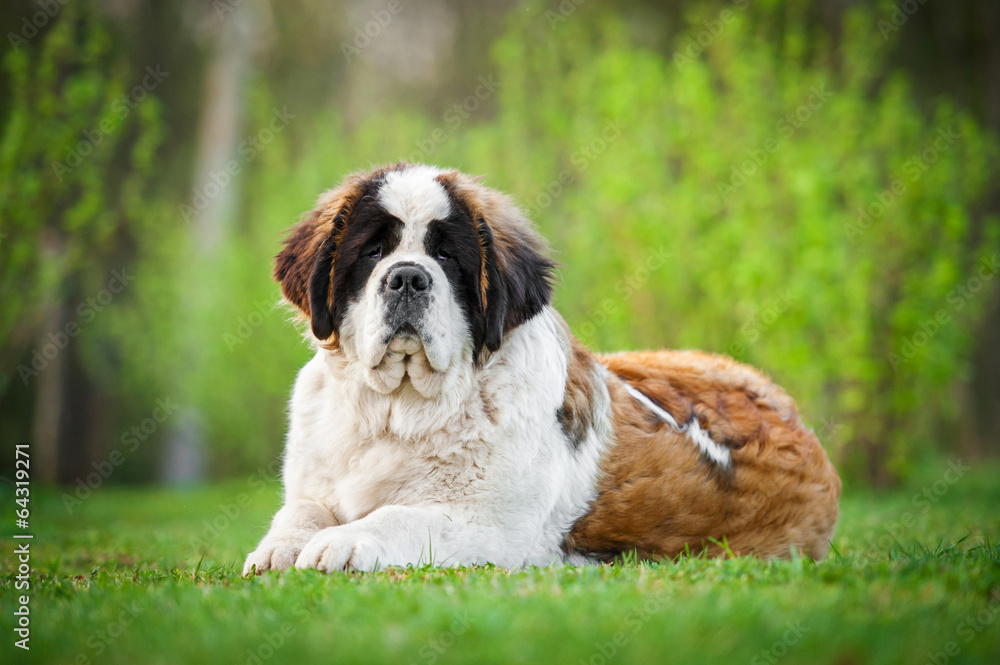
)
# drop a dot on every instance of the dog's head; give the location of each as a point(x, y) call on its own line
point(412, 271)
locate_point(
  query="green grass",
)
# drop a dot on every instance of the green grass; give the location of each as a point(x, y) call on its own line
point(141, 575)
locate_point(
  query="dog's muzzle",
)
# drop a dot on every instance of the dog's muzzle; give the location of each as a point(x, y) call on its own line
point(406, 290)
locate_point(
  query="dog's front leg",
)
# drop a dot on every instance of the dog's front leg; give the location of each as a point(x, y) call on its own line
point(292, 527)
point(398, 536)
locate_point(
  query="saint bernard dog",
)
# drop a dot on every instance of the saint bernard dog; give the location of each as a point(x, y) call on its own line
point(450, 418)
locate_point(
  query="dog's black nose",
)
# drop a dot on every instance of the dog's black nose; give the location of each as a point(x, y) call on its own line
point(410, 277)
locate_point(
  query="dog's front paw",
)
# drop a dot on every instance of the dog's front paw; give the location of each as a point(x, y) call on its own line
point(271, 555)
point(339, 548)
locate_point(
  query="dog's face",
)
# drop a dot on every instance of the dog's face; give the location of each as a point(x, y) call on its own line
point(412, 273)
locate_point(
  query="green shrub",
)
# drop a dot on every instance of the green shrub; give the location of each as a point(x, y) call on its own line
point(750, 164)
point(707, 198)
point(76, 149)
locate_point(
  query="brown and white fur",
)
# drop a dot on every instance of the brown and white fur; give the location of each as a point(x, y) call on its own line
point(449, 416)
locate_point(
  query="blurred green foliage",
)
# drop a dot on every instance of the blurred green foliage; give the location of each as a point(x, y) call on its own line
point(67, 206)
point(763, 192)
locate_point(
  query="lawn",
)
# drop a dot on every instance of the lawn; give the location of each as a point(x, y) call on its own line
point(133, 575)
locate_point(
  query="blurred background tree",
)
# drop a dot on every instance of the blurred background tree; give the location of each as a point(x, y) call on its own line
point(807, 186)
point(77, 149)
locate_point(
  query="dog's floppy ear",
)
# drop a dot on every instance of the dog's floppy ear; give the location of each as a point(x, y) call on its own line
point(320, 291)
point(515, 280)
point(293, 264)
point(305, 266)
point(520, 278)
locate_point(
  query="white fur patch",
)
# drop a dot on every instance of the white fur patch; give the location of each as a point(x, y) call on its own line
point(416, 198)
point(715, 452)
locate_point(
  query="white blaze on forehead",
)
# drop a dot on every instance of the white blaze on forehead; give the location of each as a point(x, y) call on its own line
point(416, 198)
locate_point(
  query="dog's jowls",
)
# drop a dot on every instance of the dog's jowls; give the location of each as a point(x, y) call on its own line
point(449, 416)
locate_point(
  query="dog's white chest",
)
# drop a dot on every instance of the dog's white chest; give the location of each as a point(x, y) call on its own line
point(356, 467)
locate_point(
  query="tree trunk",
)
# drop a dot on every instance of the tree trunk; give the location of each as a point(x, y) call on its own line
point(48, 409)
point(214, 199)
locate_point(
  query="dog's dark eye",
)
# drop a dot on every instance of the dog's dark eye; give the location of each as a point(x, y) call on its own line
point(375, 253)
point(443, 255)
